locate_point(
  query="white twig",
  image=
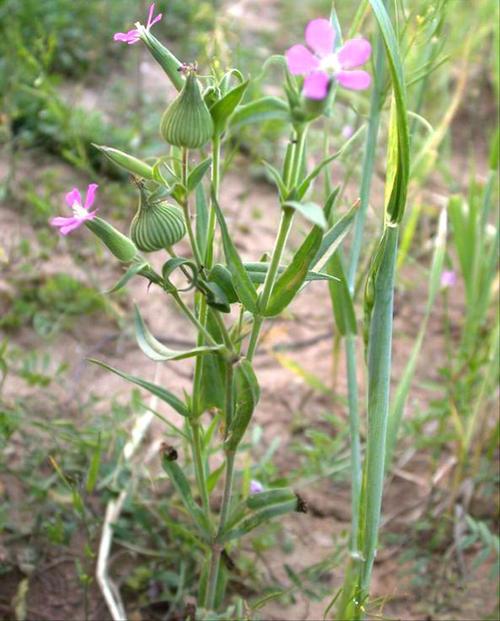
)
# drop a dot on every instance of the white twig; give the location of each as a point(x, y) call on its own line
point(109, 589)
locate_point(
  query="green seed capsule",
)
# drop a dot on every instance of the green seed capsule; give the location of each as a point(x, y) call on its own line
point(156, 225)
point(187, 121)
point(119, 244)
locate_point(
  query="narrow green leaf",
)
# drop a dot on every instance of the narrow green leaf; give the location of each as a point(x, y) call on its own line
point(289, 283)
point(241, 280)
point(343, 306)
point(270, 497)
point(158, 391)
point(276, 176)
point(333, 238)
point(247, 393)
point(93, 471)
point(132, 271)
point(257, 519)
point(304, 186)
point(213, 373)
point(224, 108)
point(399, 140)
point(197, 174)
point(214, 476)
point(311, 211)
point(264, 109)
point(183, 488)
point(158, 352)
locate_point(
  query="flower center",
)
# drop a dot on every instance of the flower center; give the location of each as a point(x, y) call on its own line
point(78, 211)
point(330, 64)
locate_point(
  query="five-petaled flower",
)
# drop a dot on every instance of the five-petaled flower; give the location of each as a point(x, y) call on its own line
point(319, 62)
point(81, 211)
point(132, 36)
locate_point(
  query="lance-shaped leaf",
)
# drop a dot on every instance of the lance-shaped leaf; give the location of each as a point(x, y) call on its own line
point(258, 271)
point(333, 238)
point(289, 283)
point(159, 352)
point(212, 392)
point(241, 280)
point(197, 174)
point(264, 109)
point(311, 211)
point(154, 389)
point(277, 178)
point(257, 519)
point(128, 162)
point(182, 487)
point(304, 186)
point(132, 271)
point(343, 306)
point(247, 393)
point(224, 108)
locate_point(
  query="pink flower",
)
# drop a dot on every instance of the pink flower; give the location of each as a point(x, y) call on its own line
point(448, 279)
point(132, 36)
point(319, 62)
point(81, 212)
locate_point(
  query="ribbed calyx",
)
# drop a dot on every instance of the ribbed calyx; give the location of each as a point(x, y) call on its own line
point(156, 225)
point(187, 121)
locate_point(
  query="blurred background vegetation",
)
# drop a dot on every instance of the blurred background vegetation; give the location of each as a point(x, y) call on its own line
point(64, 85)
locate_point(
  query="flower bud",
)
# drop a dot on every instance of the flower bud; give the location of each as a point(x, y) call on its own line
point(156, 225)
point(119, 244)
point(187, 121)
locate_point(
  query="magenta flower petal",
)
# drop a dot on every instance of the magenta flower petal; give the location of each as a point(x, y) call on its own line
point(355, 80)
point(320, 36)
point(300, 60)
point(61, 221)
point(73, 197)
point(130, 37)
point(354, 53)
point(152, 21)
point(71, 226)
point(316, 85)
point(90, 198)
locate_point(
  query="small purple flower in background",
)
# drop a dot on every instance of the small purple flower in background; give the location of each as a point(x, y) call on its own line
point(132, 36)
point(256, 487)
point(448, 279)
point(81, 211)
point(319, 62)
point(347, 131)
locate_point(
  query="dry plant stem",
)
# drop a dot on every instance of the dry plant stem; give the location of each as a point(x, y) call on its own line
point(114, 508)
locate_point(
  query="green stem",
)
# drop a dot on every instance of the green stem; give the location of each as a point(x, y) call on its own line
point(213, 575)
point(216, 152)
point(185, 209)
point(377, 101)
point(202, 306)
point(379, 377)
point(284, 230)
point(356, 472)
point(281, 239)
point(199, 468)
point(185, 309)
